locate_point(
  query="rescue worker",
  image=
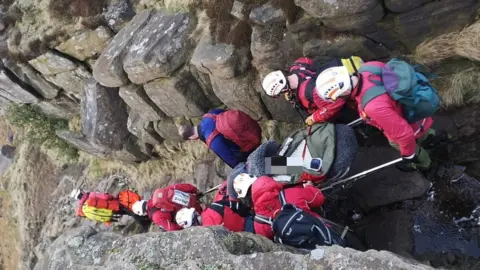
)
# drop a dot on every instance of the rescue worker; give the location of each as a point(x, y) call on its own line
point(338, 85)
point(166, 202)
point(231, 134)
point(298, 86)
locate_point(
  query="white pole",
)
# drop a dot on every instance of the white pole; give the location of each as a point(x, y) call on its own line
point(355, 122)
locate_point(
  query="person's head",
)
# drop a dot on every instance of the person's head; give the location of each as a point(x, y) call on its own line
point(275, 83)
point(139, 208)
point(188, 132)
point(77, 194)
point(187, 217)
point(334, 83)
point(242, 184)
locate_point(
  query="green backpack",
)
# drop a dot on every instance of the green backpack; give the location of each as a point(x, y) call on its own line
point(318, 154)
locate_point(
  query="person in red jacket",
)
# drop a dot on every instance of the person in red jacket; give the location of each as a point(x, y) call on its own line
point(299, 87)
point(262, 194)
point(382, 112)
point(166, 202)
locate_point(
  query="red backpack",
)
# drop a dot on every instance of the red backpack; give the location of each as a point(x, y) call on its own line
point(237, 127)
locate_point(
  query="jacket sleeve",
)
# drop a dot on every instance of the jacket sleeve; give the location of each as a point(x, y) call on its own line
point(226, 150)
point(163, 220)
point(316, 197)
point(326, 110)
point(395, 127)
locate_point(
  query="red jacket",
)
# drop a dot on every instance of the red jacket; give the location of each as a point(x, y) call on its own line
point(162, 218)
point(166, 198)
point(221, 193)
point(322, 110)
point(219, 214)
point(265, 199)
point(386, 114)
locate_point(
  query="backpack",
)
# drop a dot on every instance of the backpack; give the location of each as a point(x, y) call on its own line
point(405, 84)
point(99, 203)
point(97, 214)
point(127, 198)
point(172, 199)
point(315, 145)
point(237, 127)
point(294, 227)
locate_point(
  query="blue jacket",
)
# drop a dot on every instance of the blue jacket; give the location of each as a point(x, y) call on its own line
point(228, 151)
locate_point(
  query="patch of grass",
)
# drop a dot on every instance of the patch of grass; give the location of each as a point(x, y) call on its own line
point(75, 124)
point(66, 9)
point(468, 42)
point(40, 129)
point(240, 35)
point(435, 50)
point(202, 24)
point(9, 256)
point(460, 88)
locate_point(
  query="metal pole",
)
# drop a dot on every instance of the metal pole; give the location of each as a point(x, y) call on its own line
point(355, 122)
point(362, 174)
point(211, 190)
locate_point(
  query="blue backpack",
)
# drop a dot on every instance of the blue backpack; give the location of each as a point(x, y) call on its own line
point(405, 84)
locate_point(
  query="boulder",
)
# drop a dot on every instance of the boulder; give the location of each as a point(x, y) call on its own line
point(385, 186)
point(134, 95)
point(204, 81)
point(221, 60)
point(343, 45)
point(81, 142)
point(52, 64)
point(72, 81)
point(130, 152)
point(167, 129)
point(108, 69)
point(240, 93)
point(267, 14)
point(118, 13)
point(178, 95)
point(143, 129)
point(266, 51)
point(203, 248)
point(12, 91)
point(88, 44)
point(28, 75)
point(61, 107)
point(104, 116)
point(400, 6)
point(159, 48)
point(8, 151)
point(356, 21)
point(238, 10)
point(429, 20)
point(327, 9)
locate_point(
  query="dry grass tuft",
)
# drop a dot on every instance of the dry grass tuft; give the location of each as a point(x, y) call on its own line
point(75, 124)
point(460, 88)
point(9, 256)
point(66, 9)
point(202, 24)
point(468, 42)
point(435, 50)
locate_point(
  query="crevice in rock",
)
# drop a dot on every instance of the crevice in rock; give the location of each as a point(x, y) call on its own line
point(143, 95)
point(71, 58)
point(21, 83)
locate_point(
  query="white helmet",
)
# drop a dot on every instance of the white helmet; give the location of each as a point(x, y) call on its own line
point(139, 208)
point(242, 183)
point(76, 194)
point(185, 217)
point(333, 83)
point(274, 83)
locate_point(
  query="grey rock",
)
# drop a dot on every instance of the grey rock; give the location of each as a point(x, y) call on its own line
point(429, 20)
point(8, 151)
point(108, 69)
point(135, 96)
point(240, 93)
point(62, 108)
point(356, 21)
point(238, 10)
point(266, 51)
point(104, 116)
point(204, 81)
point(222, 60)
point(178, 95)
point(400, 6)
point(118, 13)
point(267, 14)
point(88, 44)
point(11, 90)
point(131, 152)
point(72, 81)
point(4, 104)
point(52, 64)
point(202, 248)
point(81, 142)
point(29, 76)
point(335, 9)
point(167, 129)
point(159, 48)
point(384, 187)
point(143, 129)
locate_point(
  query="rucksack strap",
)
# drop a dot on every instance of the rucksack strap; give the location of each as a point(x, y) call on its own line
point(214, 133)
point(372, 93)
point(281, 197)
point(309, 88)
point(217, 207)
point(371, 69)
point(263, 219)
point(353, 65)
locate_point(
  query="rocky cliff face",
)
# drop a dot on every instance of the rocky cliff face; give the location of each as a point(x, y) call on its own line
point(127, 63)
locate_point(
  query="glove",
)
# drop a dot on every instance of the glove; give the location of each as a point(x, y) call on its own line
point(309, 121)
point(408, 164)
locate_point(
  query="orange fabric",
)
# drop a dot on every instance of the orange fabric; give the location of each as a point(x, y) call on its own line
point(127, 198)
point(112, 204)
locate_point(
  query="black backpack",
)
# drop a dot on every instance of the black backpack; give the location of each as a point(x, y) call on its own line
point(297, 228)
